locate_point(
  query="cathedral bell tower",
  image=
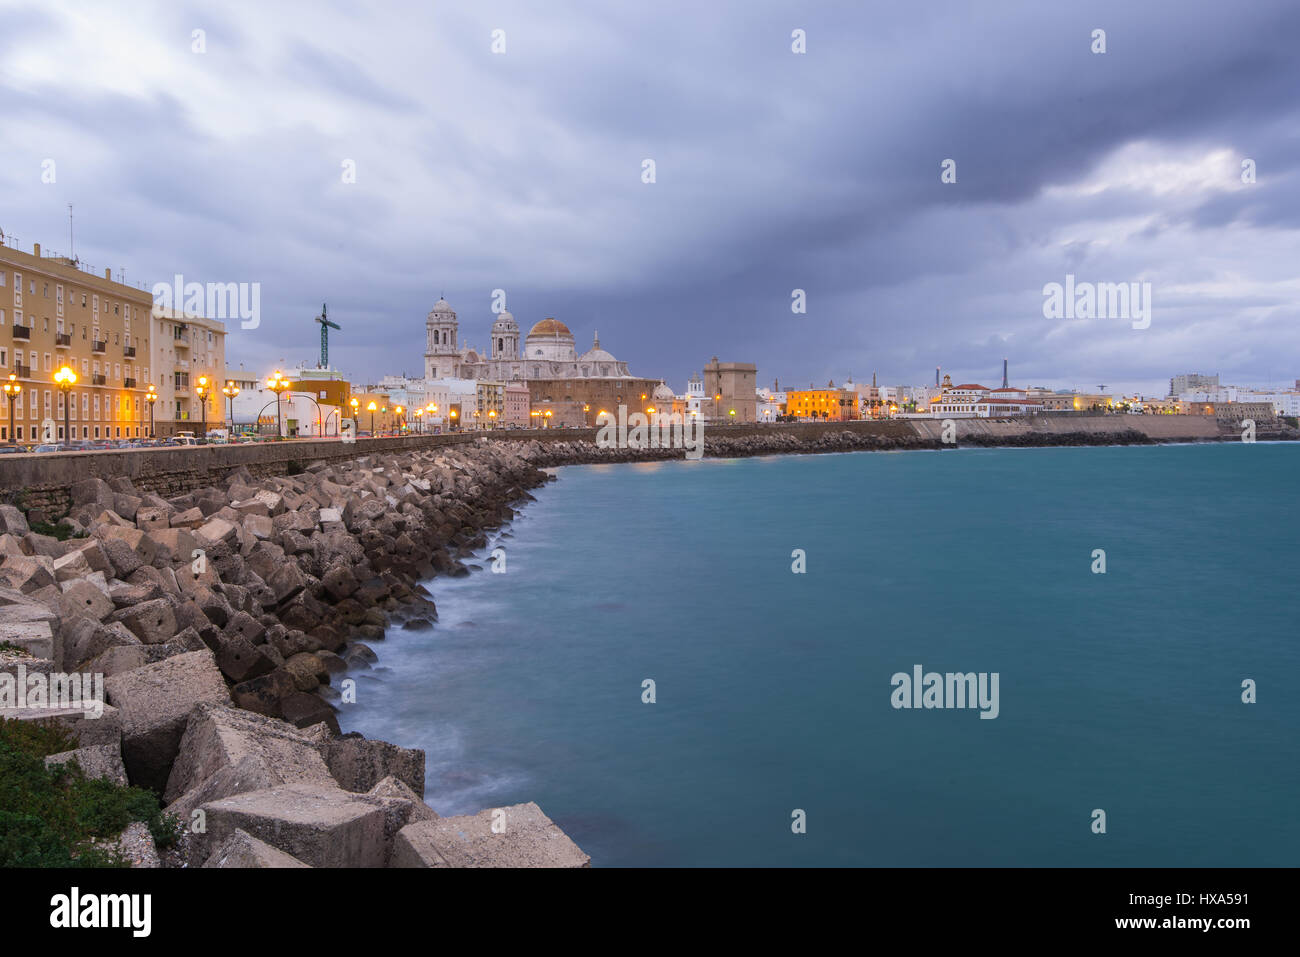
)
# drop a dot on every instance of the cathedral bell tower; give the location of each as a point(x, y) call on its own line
point(441, 350)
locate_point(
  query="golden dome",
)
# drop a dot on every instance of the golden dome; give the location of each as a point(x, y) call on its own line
point(550, 327)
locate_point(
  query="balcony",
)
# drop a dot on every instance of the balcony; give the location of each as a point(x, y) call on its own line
point(182, 341)
point(99, 346)
point(98, 379)
point(62, 340)
point(22, 371)
point(128, 351)
point(128, 383)
point(22, 332)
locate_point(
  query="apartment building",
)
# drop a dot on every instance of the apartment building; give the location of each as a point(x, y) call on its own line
point(185, 348)
point(54, 314)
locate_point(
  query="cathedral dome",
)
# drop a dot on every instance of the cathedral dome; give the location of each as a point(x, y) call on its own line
point(663, 394)
point(505, 323)
point(549, 340)
point(442, 308)
point(550, 327)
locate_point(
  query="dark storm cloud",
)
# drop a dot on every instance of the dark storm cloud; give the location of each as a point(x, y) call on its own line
point(775, 171)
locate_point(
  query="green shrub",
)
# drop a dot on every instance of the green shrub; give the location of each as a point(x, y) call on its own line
point(52, 817)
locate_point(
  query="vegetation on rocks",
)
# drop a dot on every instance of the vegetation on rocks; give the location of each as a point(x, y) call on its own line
point(57, 817)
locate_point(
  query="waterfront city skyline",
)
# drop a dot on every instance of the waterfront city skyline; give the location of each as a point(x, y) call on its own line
point(1114, 167)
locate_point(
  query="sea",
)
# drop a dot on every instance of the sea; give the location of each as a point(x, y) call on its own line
point(699, 663)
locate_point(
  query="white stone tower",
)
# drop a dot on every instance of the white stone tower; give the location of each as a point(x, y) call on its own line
point(441, 351)
point(505, 338)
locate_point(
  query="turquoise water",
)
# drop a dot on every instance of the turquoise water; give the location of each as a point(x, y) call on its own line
point(1119, 691)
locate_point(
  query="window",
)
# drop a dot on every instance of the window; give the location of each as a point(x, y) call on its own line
point(18, 290)
point(2, 317)
point(45, 290)
point(2, 277)
point(48, 365)
point(4, 357)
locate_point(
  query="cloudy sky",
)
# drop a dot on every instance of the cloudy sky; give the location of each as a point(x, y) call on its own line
point(774, 171)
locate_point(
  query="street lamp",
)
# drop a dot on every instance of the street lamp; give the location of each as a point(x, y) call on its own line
point(152, 397)
point(419, 420)
point(371, 409)
point(12, 388)
point(397, 416)
point(278, 384)
point(230, 391)
point(203, 390)
point(66, 379)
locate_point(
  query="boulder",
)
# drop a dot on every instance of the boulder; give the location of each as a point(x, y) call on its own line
point(100, 761)
point(358, 763)
point(523, 837)
point(320, 825)
point(155, 702)
point(13, 521)
point(242, 850)
point(152, 622)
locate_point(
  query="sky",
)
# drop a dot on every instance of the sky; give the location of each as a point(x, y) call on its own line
point(515, 160)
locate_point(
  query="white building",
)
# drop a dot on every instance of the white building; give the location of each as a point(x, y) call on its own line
point(548, 352)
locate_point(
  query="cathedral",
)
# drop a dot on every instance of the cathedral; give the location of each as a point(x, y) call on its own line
point(548, 352)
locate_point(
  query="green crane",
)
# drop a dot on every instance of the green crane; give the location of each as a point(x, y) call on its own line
point(325, 327)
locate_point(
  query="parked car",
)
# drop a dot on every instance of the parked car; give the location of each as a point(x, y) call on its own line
point(48, 448)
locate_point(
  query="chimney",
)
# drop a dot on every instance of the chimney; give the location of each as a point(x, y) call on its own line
point(108, 274)
point(936, 375)
point(1004, 373)
point(36, 250)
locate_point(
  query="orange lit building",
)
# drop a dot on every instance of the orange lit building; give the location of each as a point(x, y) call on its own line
point(831, 404)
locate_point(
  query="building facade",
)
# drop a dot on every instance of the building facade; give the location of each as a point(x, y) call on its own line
point(54, 314)
point(185, 348)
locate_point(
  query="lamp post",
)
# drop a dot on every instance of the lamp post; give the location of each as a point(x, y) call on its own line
point(152, 397)
point(397, 417)
point(203, 389)
point(230, 391)
point(371, 408)
point(12, 388)
point(354, 403)
point(277, 384)
point(66, 379)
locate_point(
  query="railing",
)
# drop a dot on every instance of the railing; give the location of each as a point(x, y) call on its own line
point(63, 340)
point(22, 371)
point(22, 332)
point(182, 340)
point(99, 379)
point(128, 351)
point(128, 383)
point(99, 346)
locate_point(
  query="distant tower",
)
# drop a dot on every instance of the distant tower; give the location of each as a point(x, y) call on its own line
point(873, 380)
point(1004, 373)
point(505, 338)
point(441, 350)
point(936, 376)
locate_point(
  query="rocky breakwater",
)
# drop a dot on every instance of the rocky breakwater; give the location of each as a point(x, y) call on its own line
point(218, 619)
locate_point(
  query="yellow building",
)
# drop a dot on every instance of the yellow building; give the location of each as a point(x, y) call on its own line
point(52, 314)
point(830, 404)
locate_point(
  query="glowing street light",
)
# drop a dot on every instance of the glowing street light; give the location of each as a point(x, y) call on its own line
point(372, 408)
point(66, 379)
point(230, 391)
point(278, 384)
point(203, 389)
point(12, 389)
point(152, 397)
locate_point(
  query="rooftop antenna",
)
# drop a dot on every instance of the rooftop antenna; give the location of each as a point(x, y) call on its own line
point(72, 246)
point(1102, 387)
